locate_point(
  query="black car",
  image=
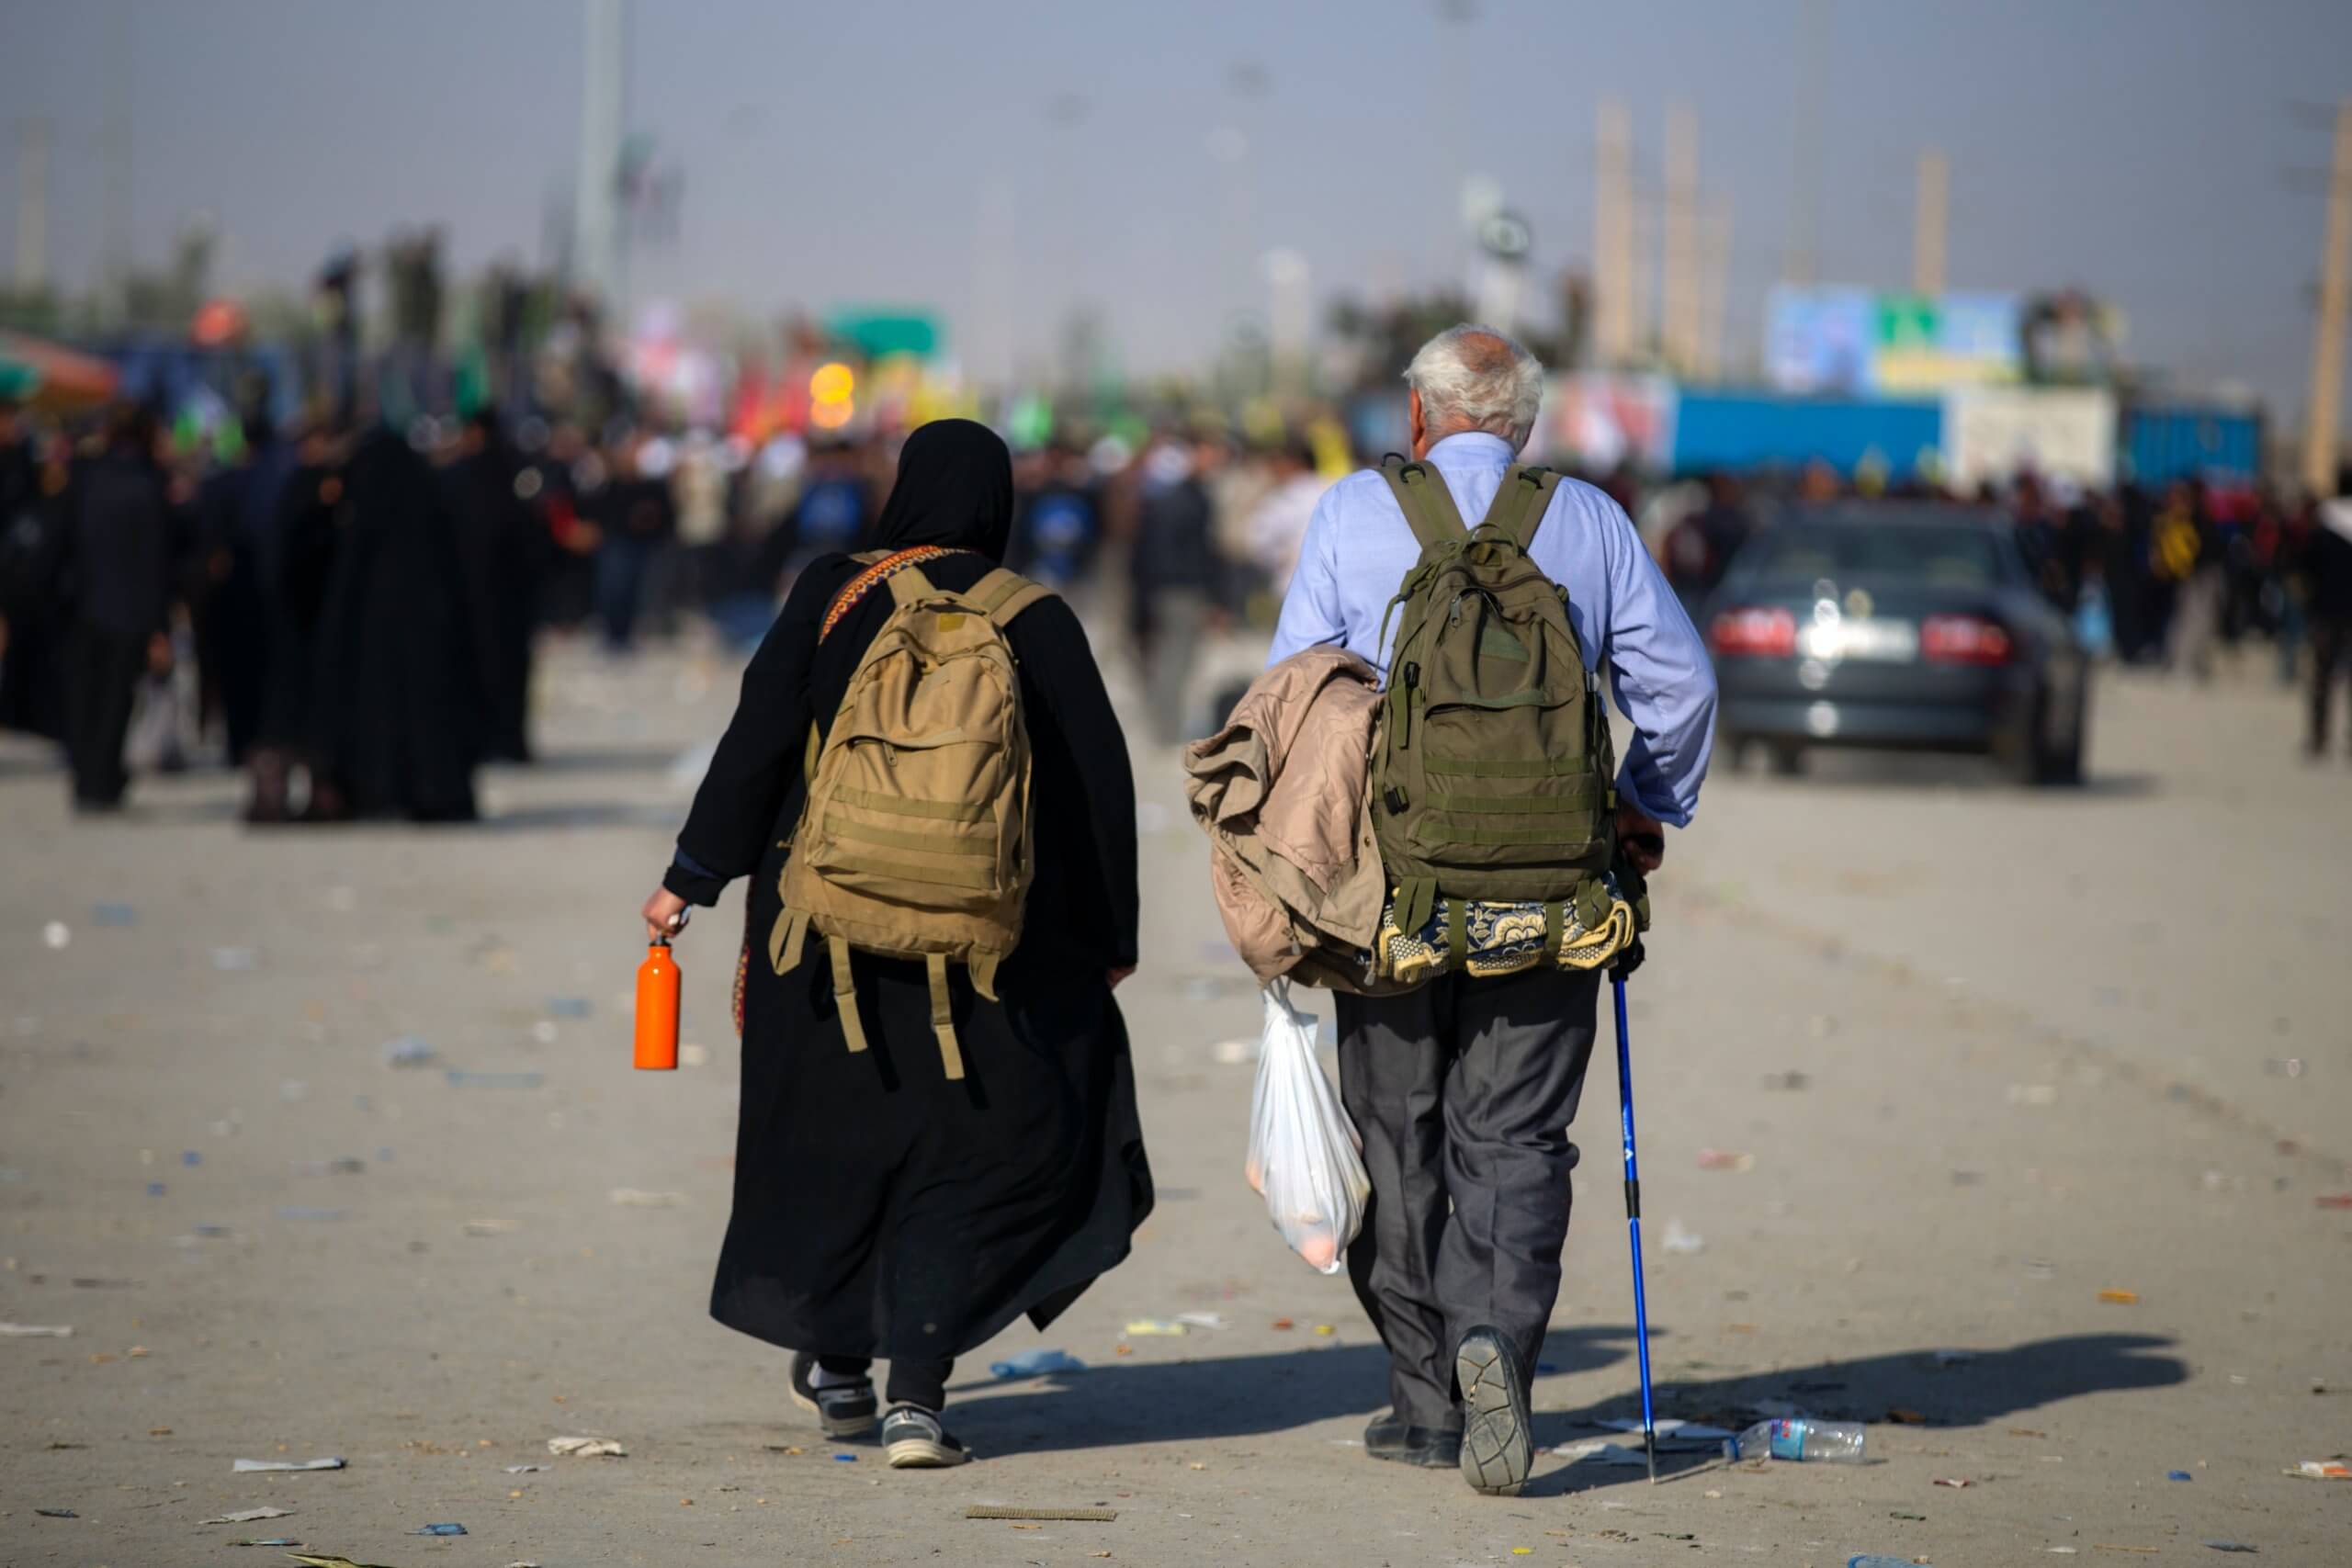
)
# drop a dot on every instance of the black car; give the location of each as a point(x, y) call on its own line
point(1898, 625)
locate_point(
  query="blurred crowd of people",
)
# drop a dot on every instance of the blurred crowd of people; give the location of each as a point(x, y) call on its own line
point(348, 610)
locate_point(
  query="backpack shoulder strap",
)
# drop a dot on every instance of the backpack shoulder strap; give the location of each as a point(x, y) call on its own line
point(908, 586)
point(1427, 504)
point(1520, 503)
point(1002, 594)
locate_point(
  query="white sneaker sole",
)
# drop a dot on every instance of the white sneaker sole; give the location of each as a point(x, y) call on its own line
point(1496, 1453)
point(921, 1453)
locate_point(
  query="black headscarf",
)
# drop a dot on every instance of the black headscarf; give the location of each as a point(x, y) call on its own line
point(954, 490)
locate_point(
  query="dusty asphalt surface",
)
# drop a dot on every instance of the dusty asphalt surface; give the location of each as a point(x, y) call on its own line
point(1980, 1056)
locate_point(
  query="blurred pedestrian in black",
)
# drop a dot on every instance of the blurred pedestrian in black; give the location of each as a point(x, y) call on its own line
point(32, 537)
point(121, 543)
point(2327, 578)
point(237, 521)
point(634, 516)
point(506, 552)
point(2130, 580)
point(303, 531)
point(400, 702)
point(1700, 548)
point(1175, 575)
point(2041, 540)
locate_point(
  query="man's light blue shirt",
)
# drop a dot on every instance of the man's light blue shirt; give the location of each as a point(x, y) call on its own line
point(1359, 547)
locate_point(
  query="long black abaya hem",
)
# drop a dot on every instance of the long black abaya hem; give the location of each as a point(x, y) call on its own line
point(884, 1210)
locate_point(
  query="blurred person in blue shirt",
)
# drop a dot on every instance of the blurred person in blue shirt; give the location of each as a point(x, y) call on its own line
point(1059, 523)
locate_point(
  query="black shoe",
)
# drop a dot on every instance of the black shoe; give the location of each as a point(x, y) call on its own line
point(845, 1410)
point(1496, 1452)
point(1383, 1438)
point(912, 1439)
point(1418, 1447)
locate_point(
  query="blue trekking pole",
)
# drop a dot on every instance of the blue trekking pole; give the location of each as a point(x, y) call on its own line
point(1634, 1221)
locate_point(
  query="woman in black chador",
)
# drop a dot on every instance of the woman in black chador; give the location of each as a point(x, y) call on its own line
point(881, 1208)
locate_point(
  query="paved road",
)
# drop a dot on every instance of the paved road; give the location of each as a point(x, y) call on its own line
point(1984, 1056)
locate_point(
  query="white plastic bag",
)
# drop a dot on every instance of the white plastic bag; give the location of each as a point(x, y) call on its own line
point(1305, 1155)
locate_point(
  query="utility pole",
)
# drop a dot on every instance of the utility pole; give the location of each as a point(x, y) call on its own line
point(1804, 218)
point(1613, 235)
point(993, 362)
point(1642, 221)
point(596, 207)
point(115, 237)
point(1715, 286)
point(1928, 223)
point(32, 205)
point(1680, 312)
point(2335, 303)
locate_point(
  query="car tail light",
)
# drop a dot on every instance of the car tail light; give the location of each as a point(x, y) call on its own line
point(1754, 634)
point(1964, 640)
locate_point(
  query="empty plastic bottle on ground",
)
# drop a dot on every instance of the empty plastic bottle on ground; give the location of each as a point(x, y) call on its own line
point(1800, 1437)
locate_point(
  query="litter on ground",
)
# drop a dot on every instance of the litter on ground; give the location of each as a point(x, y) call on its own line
point(252, 1466)
point(587, 1447)
point(998, 1511)
point(1036, 1363)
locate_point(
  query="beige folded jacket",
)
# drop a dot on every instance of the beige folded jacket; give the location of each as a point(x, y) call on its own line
point(1283, 793)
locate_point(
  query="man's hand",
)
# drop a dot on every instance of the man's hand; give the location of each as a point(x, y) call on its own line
point(665, 914)
point(1641, 839)
point(1118, 974)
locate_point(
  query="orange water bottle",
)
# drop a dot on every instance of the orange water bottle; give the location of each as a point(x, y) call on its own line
point(657, 1007)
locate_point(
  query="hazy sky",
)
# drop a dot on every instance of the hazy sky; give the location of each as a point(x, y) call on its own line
point(2158, 152)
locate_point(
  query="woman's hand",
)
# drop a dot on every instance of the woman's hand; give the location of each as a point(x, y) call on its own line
point(665, 915)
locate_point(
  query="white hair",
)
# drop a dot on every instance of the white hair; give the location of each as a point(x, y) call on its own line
point(1473, 378)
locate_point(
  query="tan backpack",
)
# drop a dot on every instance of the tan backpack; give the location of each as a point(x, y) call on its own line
point(915, 840)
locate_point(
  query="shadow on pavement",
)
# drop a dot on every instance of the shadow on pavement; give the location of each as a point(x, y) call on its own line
point(1243, 1396)
point(1858, 769)
point(579, 814)
point(590, 759)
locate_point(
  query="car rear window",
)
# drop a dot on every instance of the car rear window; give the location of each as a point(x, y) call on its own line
point(1956, 556)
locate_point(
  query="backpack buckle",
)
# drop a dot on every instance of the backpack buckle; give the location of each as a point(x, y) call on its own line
point(1395, 800)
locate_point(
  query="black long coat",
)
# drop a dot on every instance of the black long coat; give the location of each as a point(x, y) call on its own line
point(880, 1207)
point(401, 709)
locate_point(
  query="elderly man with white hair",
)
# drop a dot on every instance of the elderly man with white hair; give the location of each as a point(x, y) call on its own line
point(1464, 1089)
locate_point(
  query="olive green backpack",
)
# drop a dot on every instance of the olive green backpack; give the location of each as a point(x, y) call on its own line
point(915, 842)
point(1493, 769)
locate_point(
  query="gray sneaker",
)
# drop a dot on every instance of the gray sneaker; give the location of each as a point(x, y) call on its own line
point(844, 1410)
point(912, 1439)
point(1496, 1452)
